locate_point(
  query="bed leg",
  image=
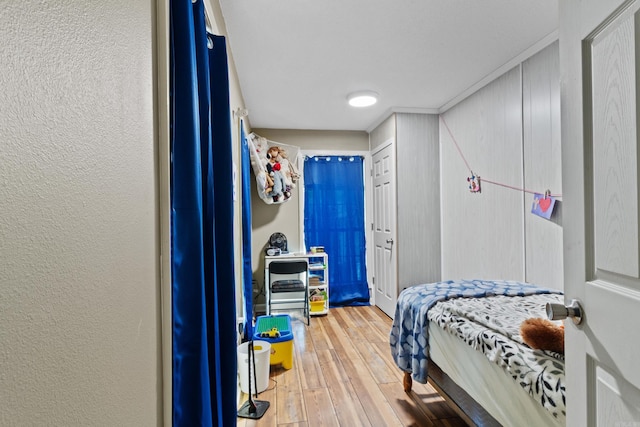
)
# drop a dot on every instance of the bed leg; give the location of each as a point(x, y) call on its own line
point(407, 382)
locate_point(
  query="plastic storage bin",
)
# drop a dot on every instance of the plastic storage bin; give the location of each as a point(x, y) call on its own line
point(276, 330)
point(317, 306)
point(261, 350)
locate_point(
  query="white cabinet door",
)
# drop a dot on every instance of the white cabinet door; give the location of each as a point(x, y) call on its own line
point(600, 69)
point(384, 229)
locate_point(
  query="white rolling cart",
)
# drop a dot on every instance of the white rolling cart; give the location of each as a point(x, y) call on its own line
point(318, 274)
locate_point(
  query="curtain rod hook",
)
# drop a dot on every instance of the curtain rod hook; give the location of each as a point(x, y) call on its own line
point(241, 112)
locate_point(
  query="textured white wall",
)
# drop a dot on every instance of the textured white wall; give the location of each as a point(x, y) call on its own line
point(543, 165)
point(79, 302)
point(508, 132)
point(482, 234)
point(418, 194)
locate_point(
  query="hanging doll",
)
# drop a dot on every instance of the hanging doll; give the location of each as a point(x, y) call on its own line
point(274, 170)
point(259, 163)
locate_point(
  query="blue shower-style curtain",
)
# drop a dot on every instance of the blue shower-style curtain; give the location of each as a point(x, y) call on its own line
point(334, 218)
point(203, 289)
point(247, 271)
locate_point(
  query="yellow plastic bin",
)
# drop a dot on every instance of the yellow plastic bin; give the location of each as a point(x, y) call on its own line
point(317, 306)
point(276, 330)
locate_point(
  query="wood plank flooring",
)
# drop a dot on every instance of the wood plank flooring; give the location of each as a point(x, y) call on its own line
point(343, 375)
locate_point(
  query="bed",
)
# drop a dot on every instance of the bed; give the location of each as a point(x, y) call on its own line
point(463, 336)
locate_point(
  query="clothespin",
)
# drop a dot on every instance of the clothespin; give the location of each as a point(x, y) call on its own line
point(547, 194)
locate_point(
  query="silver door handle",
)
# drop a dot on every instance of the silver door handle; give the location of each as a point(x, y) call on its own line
point(390, 241)
point(559, 312)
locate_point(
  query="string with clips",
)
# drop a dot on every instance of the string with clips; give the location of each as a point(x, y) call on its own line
point(474, 180)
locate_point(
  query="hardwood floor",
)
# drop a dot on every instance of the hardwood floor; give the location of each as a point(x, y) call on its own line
point(343, 375)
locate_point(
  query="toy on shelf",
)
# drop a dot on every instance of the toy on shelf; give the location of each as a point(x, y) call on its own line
point(271, 333)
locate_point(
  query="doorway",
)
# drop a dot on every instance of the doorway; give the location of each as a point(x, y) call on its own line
point(334, 218)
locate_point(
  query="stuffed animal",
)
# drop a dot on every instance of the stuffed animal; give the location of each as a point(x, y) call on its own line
point(259, 147)
point(291, 175)
point(543, 334)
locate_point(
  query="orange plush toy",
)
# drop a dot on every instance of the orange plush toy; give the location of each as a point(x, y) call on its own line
point(543, 334)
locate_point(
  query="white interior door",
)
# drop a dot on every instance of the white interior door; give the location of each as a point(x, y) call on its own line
point(384, 229)
point(600, 58)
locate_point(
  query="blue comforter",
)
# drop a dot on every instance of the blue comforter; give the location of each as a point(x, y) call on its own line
point(409, 338)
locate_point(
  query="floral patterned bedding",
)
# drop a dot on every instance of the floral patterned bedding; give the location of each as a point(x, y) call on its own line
point(487, 316)
point(491, 325)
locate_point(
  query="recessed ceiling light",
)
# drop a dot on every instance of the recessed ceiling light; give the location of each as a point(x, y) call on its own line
point(363, 98)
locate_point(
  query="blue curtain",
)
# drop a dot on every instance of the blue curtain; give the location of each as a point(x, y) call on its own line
point(203, 289)
point(247, 271)
point(334, 218)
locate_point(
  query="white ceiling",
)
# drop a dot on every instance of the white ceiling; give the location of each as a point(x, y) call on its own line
point(298, 59)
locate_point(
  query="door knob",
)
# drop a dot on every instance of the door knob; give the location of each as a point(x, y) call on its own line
point(390, 241)
point(560, 312)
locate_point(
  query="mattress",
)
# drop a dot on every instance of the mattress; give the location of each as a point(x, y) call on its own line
point(487, 383)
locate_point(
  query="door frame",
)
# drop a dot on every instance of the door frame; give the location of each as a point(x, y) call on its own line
point(368, 204)
point(163, 165)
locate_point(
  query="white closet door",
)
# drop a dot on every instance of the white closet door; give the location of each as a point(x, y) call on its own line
point(384, 228)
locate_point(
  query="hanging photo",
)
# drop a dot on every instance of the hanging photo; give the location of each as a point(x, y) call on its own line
point(474, 183)
point(543, 205)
